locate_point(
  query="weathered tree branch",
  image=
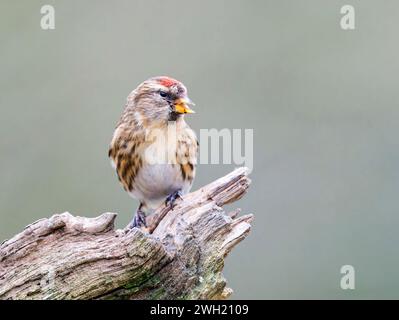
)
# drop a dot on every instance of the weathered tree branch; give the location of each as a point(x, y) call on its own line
point(67, 257)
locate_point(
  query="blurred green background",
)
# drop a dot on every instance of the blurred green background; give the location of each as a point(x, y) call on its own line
point(323, 104)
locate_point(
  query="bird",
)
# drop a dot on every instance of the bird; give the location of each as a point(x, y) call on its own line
point(151, 168)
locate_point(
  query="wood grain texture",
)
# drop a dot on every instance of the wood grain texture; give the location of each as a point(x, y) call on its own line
point(68, 257)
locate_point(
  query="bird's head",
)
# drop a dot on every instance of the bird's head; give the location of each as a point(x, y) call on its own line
point(161, 99)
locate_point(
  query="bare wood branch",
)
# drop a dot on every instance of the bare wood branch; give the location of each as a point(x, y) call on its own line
point(68, 257)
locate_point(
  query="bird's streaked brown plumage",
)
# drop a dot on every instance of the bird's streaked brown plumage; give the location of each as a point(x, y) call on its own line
point(151, 109)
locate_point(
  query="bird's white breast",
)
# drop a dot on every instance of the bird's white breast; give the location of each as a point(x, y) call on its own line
point(155, 182)
point(159, 176)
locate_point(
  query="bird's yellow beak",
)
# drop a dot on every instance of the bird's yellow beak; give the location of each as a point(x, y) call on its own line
point(182, 105)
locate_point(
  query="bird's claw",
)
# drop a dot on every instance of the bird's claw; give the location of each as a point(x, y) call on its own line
point(171, 199)
point(139, 220)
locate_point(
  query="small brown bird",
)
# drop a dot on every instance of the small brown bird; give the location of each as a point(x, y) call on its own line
point(153, 165)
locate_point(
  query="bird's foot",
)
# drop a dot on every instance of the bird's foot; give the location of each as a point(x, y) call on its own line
point(171, 199)
point(139, 220)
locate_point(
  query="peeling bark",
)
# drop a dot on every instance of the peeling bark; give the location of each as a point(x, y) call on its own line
point(181, 257)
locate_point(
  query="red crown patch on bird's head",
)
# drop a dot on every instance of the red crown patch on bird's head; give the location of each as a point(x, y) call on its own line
point(167, 82)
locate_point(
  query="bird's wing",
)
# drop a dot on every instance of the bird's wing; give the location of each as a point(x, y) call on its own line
point(126, 155)
point(187, 154)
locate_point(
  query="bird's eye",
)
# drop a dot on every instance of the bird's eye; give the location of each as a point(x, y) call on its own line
point(163, 94)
